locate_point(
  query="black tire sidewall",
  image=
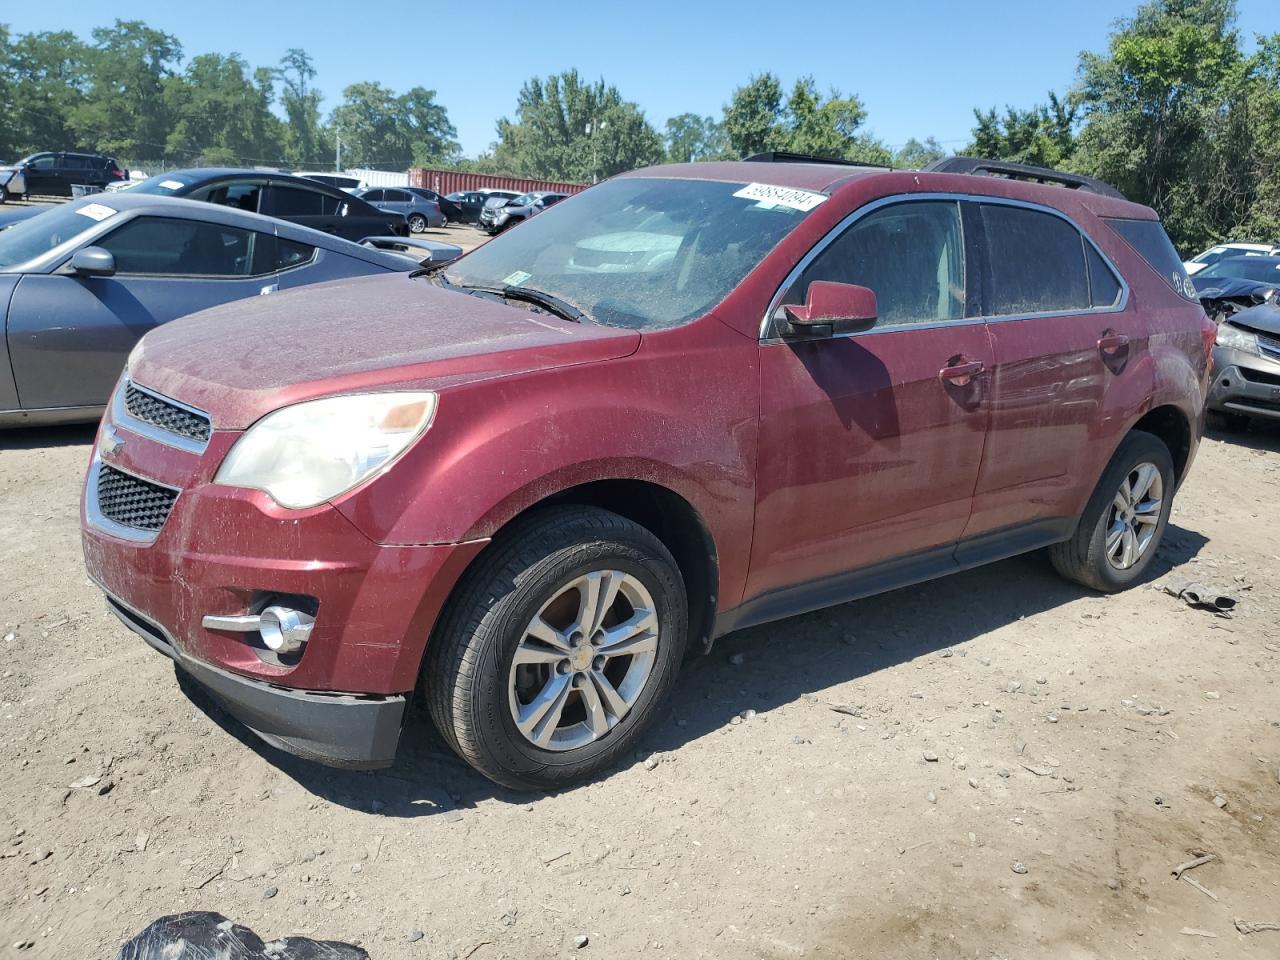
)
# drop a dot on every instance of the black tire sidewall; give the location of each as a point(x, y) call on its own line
point(1138, 448)
point(506, 755)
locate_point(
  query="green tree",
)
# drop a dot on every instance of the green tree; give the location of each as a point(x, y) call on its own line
point(46, 75)
point(691, 137)
point(123, 111)
point(569, 129)
point(307, 141)
point(379, 128)
point(1166, 116)
point(1043, 136)
point(916, 154)
point(222, 113)
point(752, 117)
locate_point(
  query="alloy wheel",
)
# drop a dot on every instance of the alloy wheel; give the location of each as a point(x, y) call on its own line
point(584, 660)
point(1134, 516)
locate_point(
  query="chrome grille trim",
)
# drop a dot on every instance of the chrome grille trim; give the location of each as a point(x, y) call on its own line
point(160, 418)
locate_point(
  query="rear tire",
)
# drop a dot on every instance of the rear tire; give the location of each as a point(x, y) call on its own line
point(1222, 422)
point(1098, 554)
point(484, 703)
point(417, 223)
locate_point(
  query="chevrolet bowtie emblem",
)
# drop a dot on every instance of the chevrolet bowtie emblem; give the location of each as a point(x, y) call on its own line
point(111, 443)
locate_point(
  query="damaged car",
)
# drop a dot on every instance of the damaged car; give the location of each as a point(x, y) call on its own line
point(1246, 367)
point(691, 399)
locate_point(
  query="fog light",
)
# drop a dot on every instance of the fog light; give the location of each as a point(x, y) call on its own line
point(283, 630)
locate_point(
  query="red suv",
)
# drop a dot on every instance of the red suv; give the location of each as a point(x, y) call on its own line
point(690, 399)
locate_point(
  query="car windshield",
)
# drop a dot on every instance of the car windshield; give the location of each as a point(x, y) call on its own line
point(30, 238)
point(1262, 269)
point(165, 184)
point(639, 253)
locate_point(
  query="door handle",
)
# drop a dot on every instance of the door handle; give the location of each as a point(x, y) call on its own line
point(961, 372)
point(1112, 344)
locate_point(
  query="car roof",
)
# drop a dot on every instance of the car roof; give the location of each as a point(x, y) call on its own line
point(829, 178)
point(244, 173)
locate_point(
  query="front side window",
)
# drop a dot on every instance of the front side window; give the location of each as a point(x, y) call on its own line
point(643, 253)
point(1037, 262)
point(158, 246)
point(42, 163)
point(911, 255)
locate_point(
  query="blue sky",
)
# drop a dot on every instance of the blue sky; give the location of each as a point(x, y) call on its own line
point(920, 67)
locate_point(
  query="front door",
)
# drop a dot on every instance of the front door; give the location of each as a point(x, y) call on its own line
point(870, 443)
point(69, 336)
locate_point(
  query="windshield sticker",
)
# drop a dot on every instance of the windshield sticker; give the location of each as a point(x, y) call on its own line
point(517, 278)
point(768, 196)
point(96, 211)
point(171, 184)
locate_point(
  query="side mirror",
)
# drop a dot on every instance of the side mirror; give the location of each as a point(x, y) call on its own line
point(831, 308)
point(93, 262)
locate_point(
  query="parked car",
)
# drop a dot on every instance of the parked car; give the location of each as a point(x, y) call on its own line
point(13, 182)
point(1246, 368)
point(518, 210)
point(83, 281)
point(55, 173)
point(419, 212)
point(281, 195)
point(1214, 254)
point(452, 211)
point(344, 182)
point(1257, 267)
point(523, 490)
point(471, 202)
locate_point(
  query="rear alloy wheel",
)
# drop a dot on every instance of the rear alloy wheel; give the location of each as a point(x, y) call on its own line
point(417, 223)
point(559, 648)
point(1124, 520)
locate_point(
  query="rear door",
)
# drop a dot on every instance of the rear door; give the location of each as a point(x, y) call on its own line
point(870, 443)
point(69, 336)
point(1064, 336)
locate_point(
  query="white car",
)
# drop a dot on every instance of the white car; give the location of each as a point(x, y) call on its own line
point(1214, 254)
point(342, 181)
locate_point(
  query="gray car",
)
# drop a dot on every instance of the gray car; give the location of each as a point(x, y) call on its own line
point(419, 212)
point(85, 280)
point(496, 219)
point(1246, 368)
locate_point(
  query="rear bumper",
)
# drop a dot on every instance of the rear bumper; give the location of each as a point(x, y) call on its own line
point(336, 729)
point(1244, 384)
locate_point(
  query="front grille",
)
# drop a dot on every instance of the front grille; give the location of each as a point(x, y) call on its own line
point(1270, 346)
point(133, 502)
point(1260, 376)
point(167, 416)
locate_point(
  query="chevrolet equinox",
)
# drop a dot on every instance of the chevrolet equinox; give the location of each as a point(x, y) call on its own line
point(690, 399)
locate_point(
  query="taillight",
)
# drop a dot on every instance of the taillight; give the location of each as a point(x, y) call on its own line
point(118, 174)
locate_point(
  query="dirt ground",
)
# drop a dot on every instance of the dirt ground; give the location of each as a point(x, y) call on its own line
point(869, 781)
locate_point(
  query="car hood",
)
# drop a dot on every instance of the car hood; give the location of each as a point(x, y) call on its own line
point(240, 361)
point(1264, 318)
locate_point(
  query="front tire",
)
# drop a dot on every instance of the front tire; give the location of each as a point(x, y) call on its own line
point(559, 649)
point(1124, 521)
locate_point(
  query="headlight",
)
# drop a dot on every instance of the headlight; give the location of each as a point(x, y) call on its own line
point(311, 452)
point(1236, 339)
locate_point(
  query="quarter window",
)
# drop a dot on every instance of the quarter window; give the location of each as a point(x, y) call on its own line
point(910, 254)
point(163, 247)
point(1037, 262)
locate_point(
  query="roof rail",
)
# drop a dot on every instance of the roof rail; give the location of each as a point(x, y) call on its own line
point(785, 156)
point(1022, 171)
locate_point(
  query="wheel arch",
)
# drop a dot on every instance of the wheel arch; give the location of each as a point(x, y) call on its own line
point(1172, 427)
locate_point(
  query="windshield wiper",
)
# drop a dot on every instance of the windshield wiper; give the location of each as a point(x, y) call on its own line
point(548, 301)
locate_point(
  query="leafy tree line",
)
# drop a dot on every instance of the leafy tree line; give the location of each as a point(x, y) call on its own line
point(127, 92)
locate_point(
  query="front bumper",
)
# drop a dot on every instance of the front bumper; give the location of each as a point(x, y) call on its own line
point(1244, 383)
point(225, 551)
point(340, 730)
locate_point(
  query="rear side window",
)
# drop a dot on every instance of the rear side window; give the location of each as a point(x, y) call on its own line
point(293, 202)
point(1037, 262)
point(1103, 284)
point(910, 254)
point(1155, 247)
point(170, 248)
